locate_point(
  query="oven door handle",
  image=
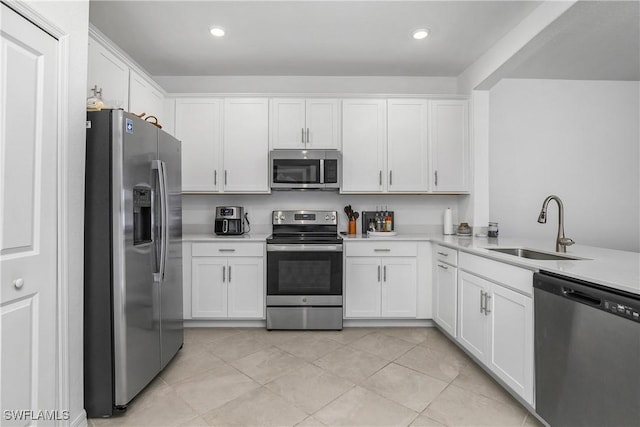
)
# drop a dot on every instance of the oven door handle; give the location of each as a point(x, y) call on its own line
point(304, 248)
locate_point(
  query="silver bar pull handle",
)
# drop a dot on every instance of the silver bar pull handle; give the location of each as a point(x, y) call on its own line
point(302, 136)
point(226, 250)
point(443, 266)
point(215, 177)
point(390, 177)
point(223, 274)
point(380, 179)
point(481, 301)
point(487, 297)
point(308, 136)
point(225, 177)
point(378, 273)
point(382, 250)
point(443, 254)
point(229, 274)
point(385, 273)
point(436, 173)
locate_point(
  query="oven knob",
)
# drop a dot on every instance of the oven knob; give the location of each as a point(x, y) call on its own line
point(326, 217)
point(282, 218)
point(333, 217)
point(304, 300)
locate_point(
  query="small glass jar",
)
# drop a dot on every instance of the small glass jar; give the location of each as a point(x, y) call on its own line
point(492, 231)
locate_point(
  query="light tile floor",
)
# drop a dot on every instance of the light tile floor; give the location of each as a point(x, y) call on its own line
point(355, 377)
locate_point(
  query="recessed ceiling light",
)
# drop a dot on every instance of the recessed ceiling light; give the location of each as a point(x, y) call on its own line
point(217, 32)
point(420, 34)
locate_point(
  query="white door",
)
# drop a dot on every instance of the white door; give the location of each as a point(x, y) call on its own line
point(449, 145)
point(512, 339)
point(209, 287)
point(144, 98)
point(245, 287)
point(407, 148)
point(362, 287)
point(322, 123)
point(28, 216)
point(473, 323)
point(399, 281)
point(288, 123)
point(109, 74)
point(364, 138)
point(446, 297)
point(199, 127)
point(246, 145)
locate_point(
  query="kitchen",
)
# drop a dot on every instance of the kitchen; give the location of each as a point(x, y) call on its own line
point(535, 104)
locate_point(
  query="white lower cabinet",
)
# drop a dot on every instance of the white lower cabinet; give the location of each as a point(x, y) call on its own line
point(445, 289)
point(229, 285)
point(495, 322)
point(380, 286)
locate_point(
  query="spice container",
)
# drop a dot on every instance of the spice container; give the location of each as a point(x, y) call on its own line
point(493, 229)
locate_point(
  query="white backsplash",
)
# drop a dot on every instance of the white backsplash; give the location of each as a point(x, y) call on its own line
point(412, 213)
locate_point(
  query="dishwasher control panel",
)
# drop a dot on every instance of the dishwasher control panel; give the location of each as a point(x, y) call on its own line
point(627, 311)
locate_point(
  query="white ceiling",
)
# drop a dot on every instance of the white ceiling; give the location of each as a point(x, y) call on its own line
point(306, 38)
point(593, 40)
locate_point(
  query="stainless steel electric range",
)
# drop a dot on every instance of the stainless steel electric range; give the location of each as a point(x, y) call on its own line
point(304, 271)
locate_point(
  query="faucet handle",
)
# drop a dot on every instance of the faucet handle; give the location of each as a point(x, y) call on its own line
point(566, 241)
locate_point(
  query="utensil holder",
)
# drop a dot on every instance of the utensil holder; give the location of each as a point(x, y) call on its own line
point(352, 227)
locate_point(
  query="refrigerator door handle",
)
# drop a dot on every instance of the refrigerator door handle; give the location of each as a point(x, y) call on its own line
point(160, 167)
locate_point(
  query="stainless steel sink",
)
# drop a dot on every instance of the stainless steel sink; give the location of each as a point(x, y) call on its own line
point(532, 254)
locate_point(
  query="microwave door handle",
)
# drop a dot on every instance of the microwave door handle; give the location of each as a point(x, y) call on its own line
point(321, 171)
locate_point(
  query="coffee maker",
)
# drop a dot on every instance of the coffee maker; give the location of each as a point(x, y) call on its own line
point(229, 220)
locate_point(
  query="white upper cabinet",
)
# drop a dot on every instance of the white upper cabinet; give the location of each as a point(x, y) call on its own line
point(298, 123)
point(407, 146)
point(245, 145)
point(449, 133)
point(364, 139)
point(109, 74)
point(198, 125)
point(144, 97)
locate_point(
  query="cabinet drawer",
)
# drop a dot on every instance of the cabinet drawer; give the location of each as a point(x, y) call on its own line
point(448, 255)
point(227, 249)
point(508, 275)
point(381, 249)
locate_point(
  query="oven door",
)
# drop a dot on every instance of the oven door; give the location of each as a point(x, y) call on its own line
point(304, 270)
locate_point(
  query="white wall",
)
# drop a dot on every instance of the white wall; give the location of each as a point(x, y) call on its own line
point(308, 84)
point(579, 140)
point(72, 17)
point(423, 211)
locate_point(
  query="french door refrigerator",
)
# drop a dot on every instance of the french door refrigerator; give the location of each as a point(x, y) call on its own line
point(133, 258)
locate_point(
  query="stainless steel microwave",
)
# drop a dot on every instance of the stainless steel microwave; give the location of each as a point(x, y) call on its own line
point(305, 169)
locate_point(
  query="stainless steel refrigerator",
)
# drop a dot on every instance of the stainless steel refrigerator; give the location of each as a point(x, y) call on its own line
point(133, 258)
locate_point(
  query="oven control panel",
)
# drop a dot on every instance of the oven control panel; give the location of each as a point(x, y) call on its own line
point(305, 217)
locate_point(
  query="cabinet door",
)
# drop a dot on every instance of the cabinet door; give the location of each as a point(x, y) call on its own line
point(407, 147)
point(245, 280)
point(362, 287)
point(399, 279)
point(144, 98)
point(449, 125)
point(512, 340)
point(246, 145)
point(473, 323)
point(322, 123)
point(288, 127)
point(364, 138)
point(208, 287)
point(109, 74)
point(446, 297)
point(199, 127)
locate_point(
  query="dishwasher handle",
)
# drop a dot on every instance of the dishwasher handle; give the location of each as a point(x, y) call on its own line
point(581, 296)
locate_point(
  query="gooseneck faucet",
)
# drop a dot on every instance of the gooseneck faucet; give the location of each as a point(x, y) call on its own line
point(561, 241)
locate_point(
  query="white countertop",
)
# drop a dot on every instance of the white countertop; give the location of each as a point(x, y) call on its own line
point(608, 267)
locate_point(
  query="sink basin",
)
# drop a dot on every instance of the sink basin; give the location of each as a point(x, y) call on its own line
point(532, 254)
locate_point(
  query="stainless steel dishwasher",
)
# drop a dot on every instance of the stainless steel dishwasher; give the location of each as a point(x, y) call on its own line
point(587, 353)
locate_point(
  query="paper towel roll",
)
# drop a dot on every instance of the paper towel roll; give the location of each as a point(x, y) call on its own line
point(448, 221)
